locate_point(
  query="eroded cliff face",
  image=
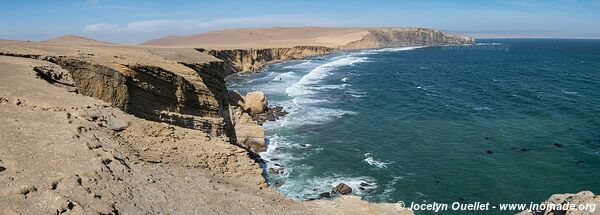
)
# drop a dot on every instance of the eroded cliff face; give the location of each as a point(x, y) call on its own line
point(148, 91)
point(403, 37)
point(252, 60)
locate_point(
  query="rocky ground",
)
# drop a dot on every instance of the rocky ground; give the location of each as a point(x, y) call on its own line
point(72, 144)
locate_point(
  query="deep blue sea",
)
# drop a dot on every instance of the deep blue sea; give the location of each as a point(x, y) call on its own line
point(501, 121)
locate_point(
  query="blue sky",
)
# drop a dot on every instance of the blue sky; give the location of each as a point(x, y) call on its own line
point(136, 21)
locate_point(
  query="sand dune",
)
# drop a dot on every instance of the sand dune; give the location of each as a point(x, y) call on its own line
point(265, 38)
point(76, 40)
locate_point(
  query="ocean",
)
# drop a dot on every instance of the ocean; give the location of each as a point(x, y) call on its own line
point(500, 121)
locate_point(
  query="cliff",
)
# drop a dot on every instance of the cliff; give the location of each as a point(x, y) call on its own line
point(403, 37)
point(249, 50)
point(252, 60)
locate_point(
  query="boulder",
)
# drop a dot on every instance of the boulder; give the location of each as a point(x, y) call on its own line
point(272, 113)
point(277, 170)
point(582, 198)
point(248, 133)
point(342, 189)
point(256, 102)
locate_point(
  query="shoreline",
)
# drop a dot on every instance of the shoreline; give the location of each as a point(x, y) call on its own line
point(282, 169)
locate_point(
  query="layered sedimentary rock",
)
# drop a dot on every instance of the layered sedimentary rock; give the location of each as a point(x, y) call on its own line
point(187, 94)
point(252, 60)
point(403, 37)
point(247, 132)
point(334, 39)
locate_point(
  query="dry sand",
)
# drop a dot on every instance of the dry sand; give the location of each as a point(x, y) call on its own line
point(265, 38)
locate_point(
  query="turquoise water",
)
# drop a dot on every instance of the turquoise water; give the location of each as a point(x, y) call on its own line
point(503, 121)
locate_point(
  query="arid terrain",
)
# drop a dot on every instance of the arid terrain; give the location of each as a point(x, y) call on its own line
point(96, 128)
point(90, 127)
point(344, 38)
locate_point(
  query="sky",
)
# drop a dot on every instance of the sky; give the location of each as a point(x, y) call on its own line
point(136, 21)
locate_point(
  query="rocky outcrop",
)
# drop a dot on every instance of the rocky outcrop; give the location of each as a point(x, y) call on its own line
point(252, 60)
point(582, 203)
point(403, 37)
point(147, 91)
point(256, 102)
point(272, 113)
point(247, 132)
point(342, 189)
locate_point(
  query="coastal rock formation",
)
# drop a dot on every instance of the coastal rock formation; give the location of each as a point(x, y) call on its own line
point(252, 60)
point(342, 189)
point(583, 199)
point(256, 102)
point(273, 113)
point(187, 94)
point(403, 37)
point(246, 132)
point(64, 152)
point(132, 130)
point(250, 49)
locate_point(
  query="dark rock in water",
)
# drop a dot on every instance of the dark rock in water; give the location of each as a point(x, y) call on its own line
point(277, 184)
point(274, 159)
point(325, 195)
point(486, 138)
point(272, 113)
point(579, 162)
point(489, 152)
point(525, 149)
point(361, 188)
point(342, 189)
point(365, 184)
point(278, 169)
point(558, 145)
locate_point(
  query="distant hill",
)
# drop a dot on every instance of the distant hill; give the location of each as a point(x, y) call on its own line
point(76, 40)
point(345, 38)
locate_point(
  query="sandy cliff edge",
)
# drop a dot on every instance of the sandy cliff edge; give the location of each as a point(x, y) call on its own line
point(78, 138)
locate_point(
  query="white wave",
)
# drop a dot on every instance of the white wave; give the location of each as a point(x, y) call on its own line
point(306, 64)
point(344, 79)
point(313, 116)
point(320, 72)
point(371, 161)
point(312, 187)
point(401, 49)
